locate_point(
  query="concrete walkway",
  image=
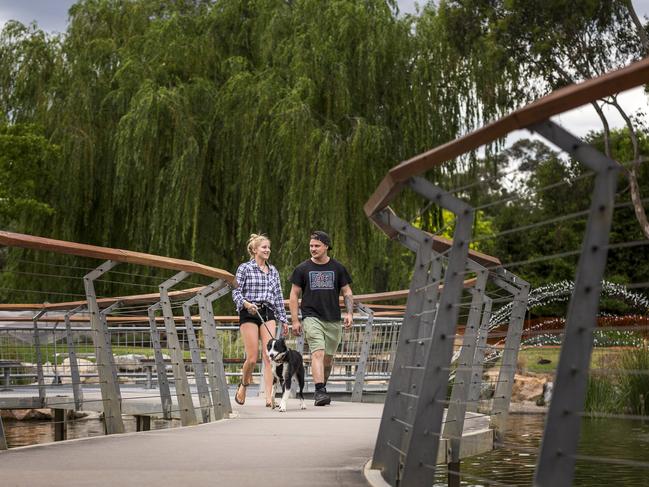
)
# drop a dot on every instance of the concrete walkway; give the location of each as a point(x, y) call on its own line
point(325, 446)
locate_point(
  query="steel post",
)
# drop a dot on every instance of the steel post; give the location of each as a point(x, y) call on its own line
point(219, 381)
point(183, 392)
point(401, 395)
point(359, 379)
point(213, 356)
point(421, 453)
point(556, 462)
point(161, 368)
point(75, 376)
point(103, 314)
point(204, 398)
point(39, 359)
point(478, 360)
point(110, 393)
point(457, 407)
point(503, 394)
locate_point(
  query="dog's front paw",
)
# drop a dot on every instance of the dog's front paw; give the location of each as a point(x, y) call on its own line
point(302, 406)
point(282, 407)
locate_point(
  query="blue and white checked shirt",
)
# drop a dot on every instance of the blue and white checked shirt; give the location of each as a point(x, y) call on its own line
point(256, 286)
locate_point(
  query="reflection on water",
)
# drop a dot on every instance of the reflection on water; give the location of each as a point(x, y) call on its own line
point(514, 464)
point(23, 433)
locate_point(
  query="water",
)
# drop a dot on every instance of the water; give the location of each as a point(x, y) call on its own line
point(607, 439)
point(24, 433)
point(512, 464)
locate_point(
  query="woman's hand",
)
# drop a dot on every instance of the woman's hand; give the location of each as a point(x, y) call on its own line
point(250, 307)
point(284, 329)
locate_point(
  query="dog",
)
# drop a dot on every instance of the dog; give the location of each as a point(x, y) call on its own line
point(287, 364)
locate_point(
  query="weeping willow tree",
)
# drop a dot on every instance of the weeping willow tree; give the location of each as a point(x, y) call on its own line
point(186, 125)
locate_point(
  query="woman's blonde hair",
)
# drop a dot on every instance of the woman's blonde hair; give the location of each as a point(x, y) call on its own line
point(255, 241)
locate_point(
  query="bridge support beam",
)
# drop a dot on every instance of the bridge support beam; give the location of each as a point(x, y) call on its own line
point(75, 376)
point(110, 393)
point(183, 392)
point(556, 462)
point(161, 369)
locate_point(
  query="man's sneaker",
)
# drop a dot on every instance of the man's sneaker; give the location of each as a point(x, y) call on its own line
point(321, 397)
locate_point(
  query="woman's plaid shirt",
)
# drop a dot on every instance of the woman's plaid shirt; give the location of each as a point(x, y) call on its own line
point(257, 287)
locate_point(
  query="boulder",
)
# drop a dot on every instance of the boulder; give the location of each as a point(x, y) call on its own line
point(85, 367)
point(528, 387)
point(130, 362)
point(32, 414)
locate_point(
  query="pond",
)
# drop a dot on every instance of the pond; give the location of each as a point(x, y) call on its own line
point(514, 464)
point(23, 433)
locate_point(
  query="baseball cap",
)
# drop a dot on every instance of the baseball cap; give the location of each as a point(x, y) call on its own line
point(322, 236)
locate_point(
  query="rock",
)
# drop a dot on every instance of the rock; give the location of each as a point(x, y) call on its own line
point(7, 414)
point(528, 387)
point(32, 414)
point(130, 362)
point(85, 367)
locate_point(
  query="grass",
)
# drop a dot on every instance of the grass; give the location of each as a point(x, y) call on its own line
point(528, 359)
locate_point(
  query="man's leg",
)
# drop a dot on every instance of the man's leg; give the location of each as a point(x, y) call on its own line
point(318, 366)
point(327, 362)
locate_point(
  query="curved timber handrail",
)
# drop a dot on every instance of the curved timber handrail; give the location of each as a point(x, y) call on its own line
point(557, 102)
point(11, 239)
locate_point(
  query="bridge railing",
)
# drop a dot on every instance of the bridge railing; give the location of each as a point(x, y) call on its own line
point(99, 311)
point(421, 417)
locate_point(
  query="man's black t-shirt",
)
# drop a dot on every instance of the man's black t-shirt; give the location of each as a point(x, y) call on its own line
point(321, 284)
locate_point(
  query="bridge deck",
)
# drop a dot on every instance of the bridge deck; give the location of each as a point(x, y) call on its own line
point(317, 446)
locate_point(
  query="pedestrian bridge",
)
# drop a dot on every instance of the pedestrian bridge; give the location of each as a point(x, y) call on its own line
point(463, 310)
point(320, 446)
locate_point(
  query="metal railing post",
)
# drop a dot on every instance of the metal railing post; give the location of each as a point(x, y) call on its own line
point(215, 368)
point(222, 404)
point(183, 392)
point(388, 455)
point(457, 407)
point(204, 398)
point(39, 358)
point(421, 453)
point(556, 462)
point(478, 360)
point(103, 314)
point(75, 376)
point(361, 368)
point(161, 368)
point(503, 394)
point(110, 393)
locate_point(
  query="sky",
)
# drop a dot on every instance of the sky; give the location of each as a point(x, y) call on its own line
point(51, 15)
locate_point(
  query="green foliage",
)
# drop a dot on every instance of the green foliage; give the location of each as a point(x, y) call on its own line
point(26, 163)
point(602, 396)
point(634, 380)
point(185, 126)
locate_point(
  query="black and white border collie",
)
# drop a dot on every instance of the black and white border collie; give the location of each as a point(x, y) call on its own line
point(287, 364)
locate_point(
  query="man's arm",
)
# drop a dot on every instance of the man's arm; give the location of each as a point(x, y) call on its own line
point(293, 308)
point(348, 298)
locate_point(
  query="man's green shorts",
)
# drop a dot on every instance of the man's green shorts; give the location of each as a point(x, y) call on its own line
point(322, 335)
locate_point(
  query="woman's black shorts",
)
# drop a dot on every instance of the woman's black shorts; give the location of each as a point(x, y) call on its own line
point(264, 310)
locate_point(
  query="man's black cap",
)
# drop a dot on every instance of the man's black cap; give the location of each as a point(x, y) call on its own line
point(322, 236)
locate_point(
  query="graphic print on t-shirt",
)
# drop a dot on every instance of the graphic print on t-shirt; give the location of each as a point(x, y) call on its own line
point(321, 280)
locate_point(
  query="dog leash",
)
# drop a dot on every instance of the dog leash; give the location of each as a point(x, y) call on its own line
point(264, 323)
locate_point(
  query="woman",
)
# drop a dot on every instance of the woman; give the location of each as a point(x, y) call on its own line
point(259, 292)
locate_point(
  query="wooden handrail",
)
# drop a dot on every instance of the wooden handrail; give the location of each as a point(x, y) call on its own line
point(557, 102)
point(11, 239)
point(102, 302)
point(182, 294)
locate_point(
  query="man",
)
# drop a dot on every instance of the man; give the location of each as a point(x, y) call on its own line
point(320, 280)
